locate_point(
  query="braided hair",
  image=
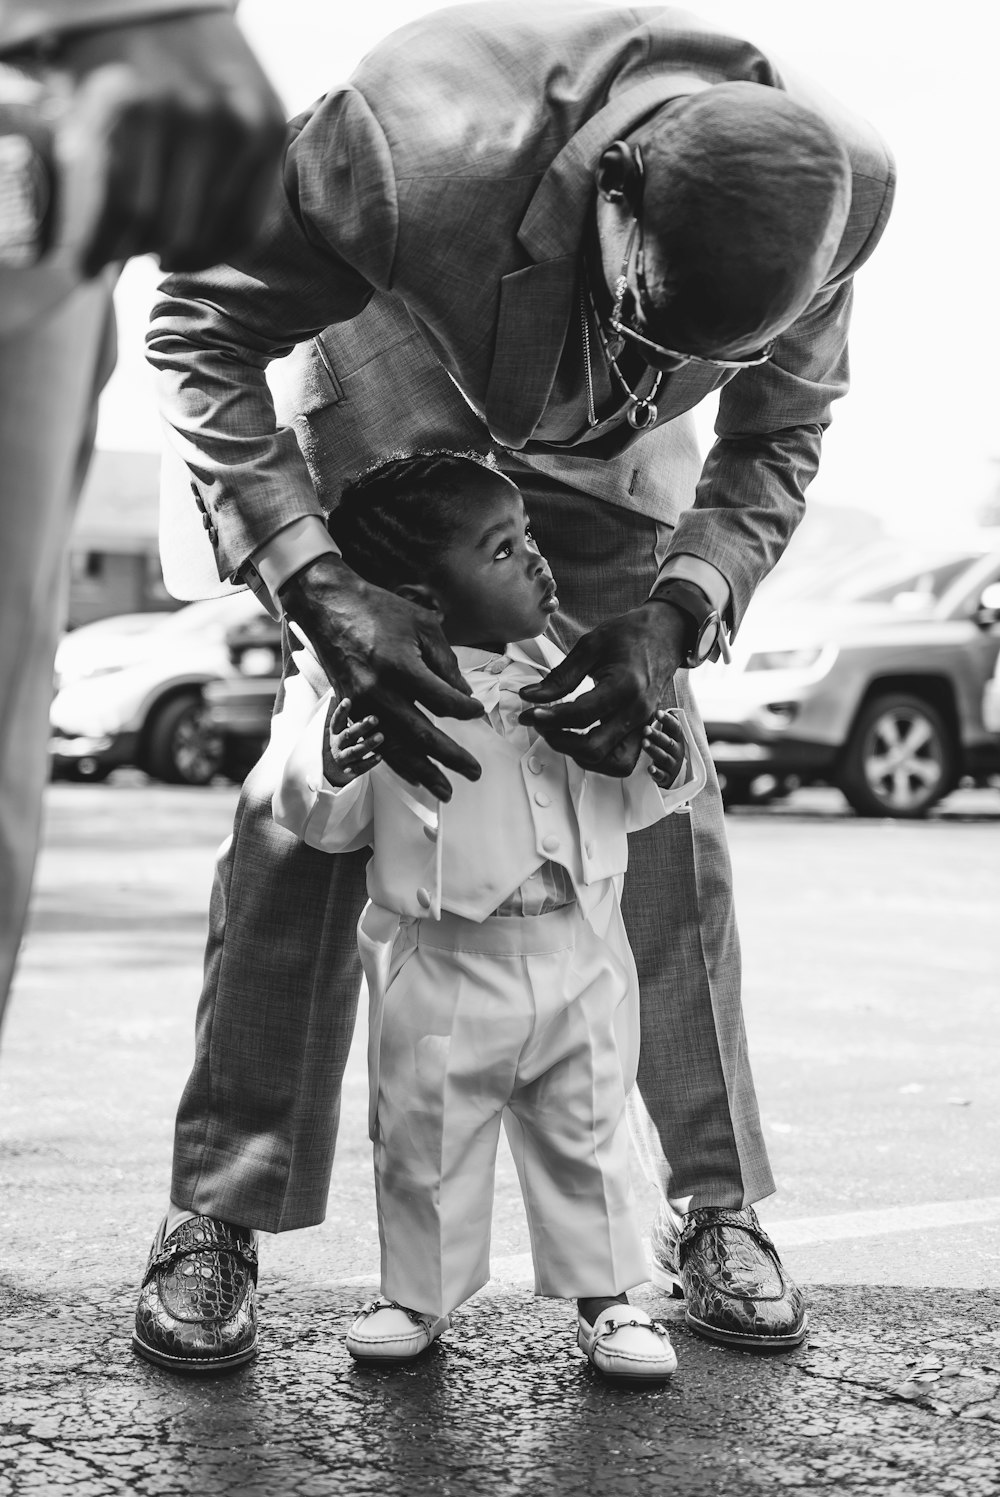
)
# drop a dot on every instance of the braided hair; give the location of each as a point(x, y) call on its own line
point(394, 523)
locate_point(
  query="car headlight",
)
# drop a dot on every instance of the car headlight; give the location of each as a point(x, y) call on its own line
point(259, 660)
point(785, 660)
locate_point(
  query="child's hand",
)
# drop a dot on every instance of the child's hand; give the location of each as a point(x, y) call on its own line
point(663, 742)
point(351, 749)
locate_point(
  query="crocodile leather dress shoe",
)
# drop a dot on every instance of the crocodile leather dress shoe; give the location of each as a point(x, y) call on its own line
point(728, 1271)
point(197, 1307)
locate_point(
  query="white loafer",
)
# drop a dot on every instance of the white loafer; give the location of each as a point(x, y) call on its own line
point(624, 1342)
point(387, 1332)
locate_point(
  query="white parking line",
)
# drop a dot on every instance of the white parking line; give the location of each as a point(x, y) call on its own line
point(804, 1231)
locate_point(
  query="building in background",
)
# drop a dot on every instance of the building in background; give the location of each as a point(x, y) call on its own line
point(114, 563)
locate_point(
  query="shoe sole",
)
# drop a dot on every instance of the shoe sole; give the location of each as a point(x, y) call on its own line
point(194, 1366)
point(663, 1279)
point(745, 1339)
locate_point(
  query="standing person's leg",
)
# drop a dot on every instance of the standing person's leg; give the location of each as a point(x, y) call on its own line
point(257, 1123)
point(51, 373)
point(698, 1123)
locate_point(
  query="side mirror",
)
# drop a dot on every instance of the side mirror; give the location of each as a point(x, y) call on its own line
point(988, 608)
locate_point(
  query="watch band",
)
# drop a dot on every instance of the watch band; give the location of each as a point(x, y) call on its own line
point(704, 637)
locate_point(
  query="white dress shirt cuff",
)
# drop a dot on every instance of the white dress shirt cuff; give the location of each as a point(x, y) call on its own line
point(287, 552)
point(694, 569)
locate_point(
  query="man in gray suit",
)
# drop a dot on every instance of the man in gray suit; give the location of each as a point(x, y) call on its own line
point(548, 233)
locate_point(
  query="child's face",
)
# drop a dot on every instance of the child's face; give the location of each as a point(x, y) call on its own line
point(493, 582)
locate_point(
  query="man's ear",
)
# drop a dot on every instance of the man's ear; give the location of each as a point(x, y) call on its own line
point(619, 175)
point(423, 595)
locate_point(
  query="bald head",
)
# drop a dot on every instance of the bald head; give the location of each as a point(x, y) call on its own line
point(744, 202)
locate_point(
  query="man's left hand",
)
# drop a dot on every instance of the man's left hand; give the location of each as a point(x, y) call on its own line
point(632, 661)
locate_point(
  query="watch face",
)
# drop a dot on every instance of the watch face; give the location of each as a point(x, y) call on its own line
point(708, 638)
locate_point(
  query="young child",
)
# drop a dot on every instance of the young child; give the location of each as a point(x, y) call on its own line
point(500, 979)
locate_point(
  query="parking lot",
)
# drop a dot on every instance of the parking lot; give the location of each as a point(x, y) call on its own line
point(872, 957)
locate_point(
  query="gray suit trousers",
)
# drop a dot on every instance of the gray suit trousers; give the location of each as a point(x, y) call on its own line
point(257, 1124)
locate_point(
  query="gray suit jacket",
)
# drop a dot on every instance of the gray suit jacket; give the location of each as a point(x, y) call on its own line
point(428, 238)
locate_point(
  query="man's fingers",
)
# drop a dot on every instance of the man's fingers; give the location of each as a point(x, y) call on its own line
point(220, 189)
point(605, 701)
point(599, 750)
point(565, 677)
point(445, 698)
point(411, 743)
point(175, 136)
point(440, 663)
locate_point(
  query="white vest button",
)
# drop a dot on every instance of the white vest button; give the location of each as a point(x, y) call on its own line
point(431, 833)
point(423, 899)
point(550, 844)
point(535, 764)
point(541, 799)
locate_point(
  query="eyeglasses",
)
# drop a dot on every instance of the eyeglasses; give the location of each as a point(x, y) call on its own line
point(653, 353)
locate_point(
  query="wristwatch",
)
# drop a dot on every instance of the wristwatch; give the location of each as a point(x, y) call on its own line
point(704, 639)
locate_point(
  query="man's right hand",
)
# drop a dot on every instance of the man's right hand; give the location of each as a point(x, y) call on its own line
point(386, 655)
point(172, 144)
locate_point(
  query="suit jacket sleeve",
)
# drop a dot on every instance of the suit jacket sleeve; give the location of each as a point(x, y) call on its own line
point(771, 420)
point(328, 243)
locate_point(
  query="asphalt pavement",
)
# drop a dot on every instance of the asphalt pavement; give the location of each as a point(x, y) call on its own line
point(872, 954)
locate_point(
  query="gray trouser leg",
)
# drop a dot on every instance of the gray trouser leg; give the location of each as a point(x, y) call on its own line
point(51, 372)
point(257, 1123)
point(704, 1139)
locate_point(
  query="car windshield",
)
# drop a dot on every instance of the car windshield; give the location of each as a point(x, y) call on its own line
point(905, 578)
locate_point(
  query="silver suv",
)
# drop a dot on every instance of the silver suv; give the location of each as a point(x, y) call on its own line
point(870, 676)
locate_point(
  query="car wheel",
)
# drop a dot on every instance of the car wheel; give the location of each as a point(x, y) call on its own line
point(182, 748)
point(900, 759)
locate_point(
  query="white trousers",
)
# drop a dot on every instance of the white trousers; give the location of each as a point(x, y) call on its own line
point(533, 1021)
point(51, 369)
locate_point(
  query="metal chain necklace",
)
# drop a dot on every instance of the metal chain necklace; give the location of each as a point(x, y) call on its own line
point(642, 410)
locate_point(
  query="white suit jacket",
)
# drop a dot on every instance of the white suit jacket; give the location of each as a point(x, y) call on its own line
point(470, 854)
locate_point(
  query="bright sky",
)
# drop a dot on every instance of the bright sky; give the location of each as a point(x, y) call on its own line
point(918, 438)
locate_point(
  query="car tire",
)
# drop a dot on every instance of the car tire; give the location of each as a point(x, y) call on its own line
point(181, 748)
point(900, 759)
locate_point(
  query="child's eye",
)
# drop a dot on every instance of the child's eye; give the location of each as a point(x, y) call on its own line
point(503, 551)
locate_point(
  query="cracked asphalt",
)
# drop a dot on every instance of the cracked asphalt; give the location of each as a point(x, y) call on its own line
point(871, 1002)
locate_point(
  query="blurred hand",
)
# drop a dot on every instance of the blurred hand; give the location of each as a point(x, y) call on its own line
point(386, 655)
point(632, 661)
point(173, 138)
